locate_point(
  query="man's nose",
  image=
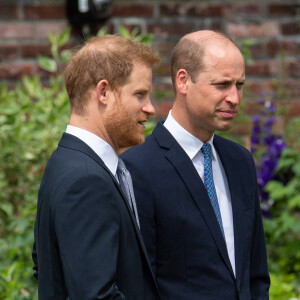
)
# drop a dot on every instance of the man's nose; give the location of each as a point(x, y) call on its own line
point(234, 95)
point(148, 107)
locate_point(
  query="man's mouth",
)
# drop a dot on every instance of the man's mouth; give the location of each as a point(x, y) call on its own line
point(142, 123)
point(228, 113)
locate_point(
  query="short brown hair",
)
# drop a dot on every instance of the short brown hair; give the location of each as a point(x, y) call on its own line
point(188, 54)
point(107, 57)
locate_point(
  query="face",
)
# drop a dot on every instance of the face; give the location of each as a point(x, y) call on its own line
point(130, 108)
point(213, 101)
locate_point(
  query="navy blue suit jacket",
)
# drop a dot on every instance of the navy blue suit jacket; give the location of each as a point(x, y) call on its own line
point(184, 242)
point(88, 245)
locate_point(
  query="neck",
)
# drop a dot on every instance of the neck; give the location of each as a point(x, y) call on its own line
point(92, 125)
point(183, 118)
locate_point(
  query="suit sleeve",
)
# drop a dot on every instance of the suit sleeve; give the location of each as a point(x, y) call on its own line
point(146, 208)
point(87, 229)
point(259, 275)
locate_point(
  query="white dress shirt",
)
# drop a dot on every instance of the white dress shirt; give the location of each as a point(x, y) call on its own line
point(102, 148)
point(192, 146)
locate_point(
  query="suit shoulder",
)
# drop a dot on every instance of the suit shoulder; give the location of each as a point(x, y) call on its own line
point(67, 166)
point(73, 173)
point(140, 151)
point(233, 145)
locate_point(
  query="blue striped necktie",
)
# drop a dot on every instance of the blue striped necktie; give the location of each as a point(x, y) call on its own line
point(209, 183)
point(127, 187)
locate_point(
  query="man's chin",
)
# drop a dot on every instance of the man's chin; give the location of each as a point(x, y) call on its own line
point(225, 127)
point(139, 140)
point(133, 142)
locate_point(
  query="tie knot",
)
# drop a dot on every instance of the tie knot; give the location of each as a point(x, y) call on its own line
point(206, 149)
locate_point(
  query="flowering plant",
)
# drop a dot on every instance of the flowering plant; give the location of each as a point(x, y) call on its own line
point(278, 175)
point(266, 146)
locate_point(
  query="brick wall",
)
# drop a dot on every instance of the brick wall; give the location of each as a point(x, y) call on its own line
point(271, 27)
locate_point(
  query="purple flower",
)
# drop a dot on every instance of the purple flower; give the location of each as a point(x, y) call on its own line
point(270, 107)
point(256, 130)
point(270, 121)
point(269, 138)
point(255, 140)
point(256, 119)
point(273, 143)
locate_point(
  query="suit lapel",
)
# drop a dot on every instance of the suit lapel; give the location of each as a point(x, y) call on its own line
point(232, 174)
point(72, 142)
point(189, 175)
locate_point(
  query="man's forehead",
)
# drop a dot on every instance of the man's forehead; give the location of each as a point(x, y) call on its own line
point(223, 70)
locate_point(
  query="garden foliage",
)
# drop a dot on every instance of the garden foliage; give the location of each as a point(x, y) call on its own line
point(34, 115)
point(278, 175)
point(32, 118)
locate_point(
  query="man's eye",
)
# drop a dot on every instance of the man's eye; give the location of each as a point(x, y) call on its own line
point(223, 84)
point(239, 85)
point(140, 95)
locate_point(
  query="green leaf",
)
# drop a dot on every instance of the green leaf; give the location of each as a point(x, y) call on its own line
point(29, 155)
point(285, 163)
point(65, 55)
point(10, 109)
point(124, 32)
point(10, 271)
point(54, 51)
point(296, 168)
point(47, 64)
point(63, 37)
point(134, 32)
point(291, 189)
point(274, 187)
point(146, 39)
point(149, 126)
point(6, 208)
point(288, 152)
point(294, 202)
point(31, 85)
point(102, 31)
point(52, 38)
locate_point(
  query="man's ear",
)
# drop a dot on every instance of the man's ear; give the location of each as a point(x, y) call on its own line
point(181, 81)
point(103, 89)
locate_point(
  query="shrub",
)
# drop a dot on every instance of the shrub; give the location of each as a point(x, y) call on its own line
point(278, 172)
point(32, 119)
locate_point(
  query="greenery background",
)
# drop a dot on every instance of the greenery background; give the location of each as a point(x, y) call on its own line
point(32, 119)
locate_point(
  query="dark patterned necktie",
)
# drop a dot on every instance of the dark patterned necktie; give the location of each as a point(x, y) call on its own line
point(209, 183)
point(127, 187)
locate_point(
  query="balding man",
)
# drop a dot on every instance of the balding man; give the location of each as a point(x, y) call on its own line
point(196, 191)
point(87, 237)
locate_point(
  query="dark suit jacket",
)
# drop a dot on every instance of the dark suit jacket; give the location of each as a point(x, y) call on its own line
point(88, 245)
point(184, 242)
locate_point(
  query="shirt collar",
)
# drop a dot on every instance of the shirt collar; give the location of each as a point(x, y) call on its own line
point(102, 148)
point(190, 144)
